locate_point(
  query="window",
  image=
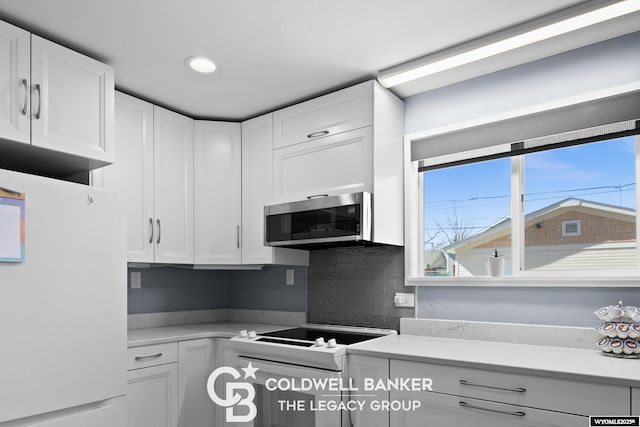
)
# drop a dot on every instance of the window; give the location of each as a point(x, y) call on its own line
point(568, 211)
point(569, 228)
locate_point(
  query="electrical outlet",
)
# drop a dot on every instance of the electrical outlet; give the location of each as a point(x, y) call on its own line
point(404, 300)
point(290, 278)
point(136, 280)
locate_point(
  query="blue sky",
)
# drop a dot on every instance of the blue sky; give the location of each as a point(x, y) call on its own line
point(479, 194)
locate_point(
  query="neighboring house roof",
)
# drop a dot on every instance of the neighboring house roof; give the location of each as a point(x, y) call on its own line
point(504, 224)
point(434, 258)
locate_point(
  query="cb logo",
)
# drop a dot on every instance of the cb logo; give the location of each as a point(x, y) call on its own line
point(232, 399)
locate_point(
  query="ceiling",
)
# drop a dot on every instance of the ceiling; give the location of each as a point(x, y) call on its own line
point(269, 53)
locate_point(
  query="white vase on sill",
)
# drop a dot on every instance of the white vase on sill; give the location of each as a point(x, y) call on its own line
point(496, 266)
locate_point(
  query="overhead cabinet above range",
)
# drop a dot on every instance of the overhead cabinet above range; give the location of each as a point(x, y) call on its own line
point(56, 108)
point(345, 142)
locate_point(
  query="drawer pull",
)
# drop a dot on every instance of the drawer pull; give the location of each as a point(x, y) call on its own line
point(318, 134)
point(515, 390)
point(479, 408)
point(153, 356)
point(317, 196)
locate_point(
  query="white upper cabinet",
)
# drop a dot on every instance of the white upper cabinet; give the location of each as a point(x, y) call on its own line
point(56, 103)
point(173, 186)
point(337, 112)
point(154, 168)
point(132, 173)
point(257, 155)
point(15, 81)
point(72, 102)
point(217, 193)
point(336, 164)
point(345, 142)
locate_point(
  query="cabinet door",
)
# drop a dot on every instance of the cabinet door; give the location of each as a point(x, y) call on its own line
point(173, 186)
point(442, 410)
point(217, 193)
point(375, 368)
point(635, 401)
point(334, 165)
point(337, 112)
point(132, 173)
point(152, 398)
point(257, 153)
point(14, 83)
point(196, 361)
point(72, 102)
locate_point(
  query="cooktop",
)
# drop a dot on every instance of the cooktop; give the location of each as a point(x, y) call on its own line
point(311, 334)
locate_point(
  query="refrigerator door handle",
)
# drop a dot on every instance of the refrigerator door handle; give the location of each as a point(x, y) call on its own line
point(159, 231)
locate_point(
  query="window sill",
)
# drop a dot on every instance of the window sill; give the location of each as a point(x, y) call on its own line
point(529, 281)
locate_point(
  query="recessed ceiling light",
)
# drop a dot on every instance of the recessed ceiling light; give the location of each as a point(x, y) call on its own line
point(201, 64)
point(399, 75)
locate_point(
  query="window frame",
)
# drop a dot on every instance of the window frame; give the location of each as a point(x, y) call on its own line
point(414, 244)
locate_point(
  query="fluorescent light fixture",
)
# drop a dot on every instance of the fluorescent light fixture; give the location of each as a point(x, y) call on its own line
point(201, 64)
point(543, 33)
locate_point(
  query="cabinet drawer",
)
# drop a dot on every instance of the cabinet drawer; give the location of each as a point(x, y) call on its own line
point(151, 355)
point(574, 397)
point(337, 112)
point(443, 410)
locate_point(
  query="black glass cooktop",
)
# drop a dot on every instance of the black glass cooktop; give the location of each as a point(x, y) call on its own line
point(310, 334)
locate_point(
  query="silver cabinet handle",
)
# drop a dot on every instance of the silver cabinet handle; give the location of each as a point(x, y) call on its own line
point(26, 96)
point(36, 88)
point(479, 408)
point(153, 356)
point(150, 231)
point(159, 232)
point(317, 196)
point(515, 390)
point(238, 236)
point(318, 134)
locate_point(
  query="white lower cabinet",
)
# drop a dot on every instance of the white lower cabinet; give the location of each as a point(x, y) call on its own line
point(152, 396)
point(196, 361)
point(635, 401)
point(167, 384)
point(442, 410)
point(473, 397)
point(367, 367)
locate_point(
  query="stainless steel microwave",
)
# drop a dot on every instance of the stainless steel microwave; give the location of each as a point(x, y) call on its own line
point(341, 220)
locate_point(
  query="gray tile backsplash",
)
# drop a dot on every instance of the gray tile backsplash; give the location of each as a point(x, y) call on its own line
point(355, 286)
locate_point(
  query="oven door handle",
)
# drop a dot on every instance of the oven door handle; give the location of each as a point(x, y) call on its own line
point(270, 369)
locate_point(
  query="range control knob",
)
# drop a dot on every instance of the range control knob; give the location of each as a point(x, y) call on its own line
point(243, 333)
point(252, 334)
point(320, 342)
point(332, 343)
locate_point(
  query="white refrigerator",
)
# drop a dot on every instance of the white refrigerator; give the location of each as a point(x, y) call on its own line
point(63, 308)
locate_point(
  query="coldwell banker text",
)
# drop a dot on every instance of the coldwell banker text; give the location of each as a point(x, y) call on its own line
point(337, 385)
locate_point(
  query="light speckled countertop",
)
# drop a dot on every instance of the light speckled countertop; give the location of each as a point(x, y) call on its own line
point(164, 334)
point(557, 362)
